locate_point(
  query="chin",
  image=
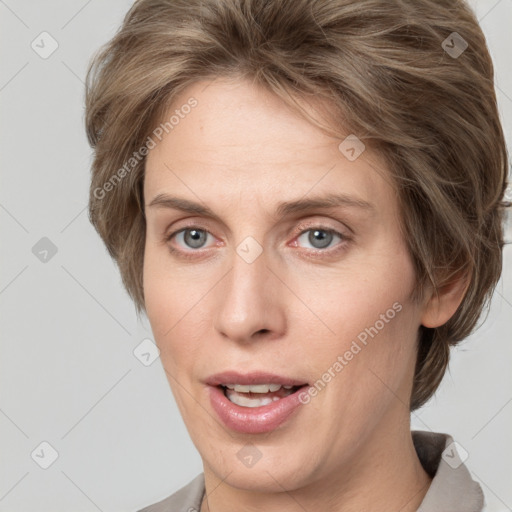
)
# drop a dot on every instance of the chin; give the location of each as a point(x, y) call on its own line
point(261, 475)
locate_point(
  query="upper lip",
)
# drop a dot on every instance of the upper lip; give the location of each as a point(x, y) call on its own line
point(255, 377)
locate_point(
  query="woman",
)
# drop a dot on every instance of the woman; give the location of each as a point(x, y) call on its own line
point(306, 199)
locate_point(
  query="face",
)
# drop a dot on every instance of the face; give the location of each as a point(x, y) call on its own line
point(246, 270)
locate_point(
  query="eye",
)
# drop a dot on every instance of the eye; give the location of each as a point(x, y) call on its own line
point(193, 238)
point(320, 238)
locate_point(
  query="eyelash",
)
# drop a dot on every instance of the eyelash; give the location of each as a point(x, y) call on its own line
point(312, 253)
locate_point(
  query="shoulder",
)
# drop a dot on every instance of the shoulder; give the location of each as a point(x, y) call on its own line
point(187, 498)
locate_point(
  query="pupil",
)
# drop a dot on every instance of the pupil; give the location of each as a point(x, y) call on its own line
point(323, 240)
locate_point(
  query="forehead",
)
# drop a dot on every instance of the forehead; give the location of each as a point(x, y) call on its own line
point(241, 140)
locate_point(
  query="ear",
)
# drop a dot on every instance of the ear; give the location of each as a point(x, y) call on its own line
point(440, 307)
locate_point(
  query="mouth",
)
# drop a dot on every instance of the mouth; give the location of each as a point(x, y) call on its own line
point(255, 403)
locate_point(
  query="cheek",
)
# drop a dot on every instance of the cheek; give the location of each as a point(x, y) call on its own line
point(365, 317)
point(163, 307)
point(176, 306)
point(166, 289)
point(155, 290)
point(346, 303)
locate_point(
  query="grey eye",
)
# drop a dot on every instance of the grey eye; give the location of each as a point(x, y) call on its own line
point(194, 238)
point(319, 238)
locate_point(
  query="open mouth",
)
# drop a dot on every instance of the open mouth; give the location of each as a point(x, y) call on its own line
point(257, 395)
point(257, 407)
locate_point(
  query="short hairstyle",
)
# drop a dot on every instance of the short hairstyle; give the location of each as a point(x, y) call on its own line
point(393, 72)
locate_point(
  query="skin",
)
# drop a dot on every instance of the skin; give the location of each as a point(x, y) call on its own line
point(241, 151)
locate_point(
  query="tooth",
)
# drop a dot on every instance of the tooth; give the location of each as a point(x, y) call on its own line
point(287, 387)
point(242, 388)
point(230, 386)
point(245, 401)
point(256, 388)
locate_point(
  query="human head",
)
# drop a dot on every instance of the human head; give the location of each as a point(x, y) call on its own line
point(382, 69)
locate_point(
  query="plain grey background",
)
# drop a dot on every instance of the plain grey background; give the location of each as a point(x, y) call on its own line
point(69, 375)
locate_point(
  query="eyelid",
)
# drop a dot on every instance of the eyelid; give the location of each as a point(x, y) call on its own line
point(324, 253)
point(324, 226)
point(345, 230)
point(169, 236)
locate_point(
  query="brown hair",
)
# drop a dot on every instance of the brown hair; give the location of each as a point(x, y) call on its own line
point(394, 74)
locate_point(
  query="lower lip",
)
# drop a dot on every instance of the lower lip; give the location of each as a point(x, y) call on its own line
point(254, 420)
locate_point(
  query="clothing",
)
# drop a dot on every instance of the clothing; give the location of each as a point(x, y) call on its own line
point(452, 489)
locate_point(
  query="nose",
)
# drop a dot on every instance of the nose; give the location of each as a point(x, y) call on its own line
point(249, 301)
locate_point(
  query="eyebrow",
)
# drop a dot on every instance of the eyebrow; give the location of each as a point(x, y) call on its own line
point(327, 201)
